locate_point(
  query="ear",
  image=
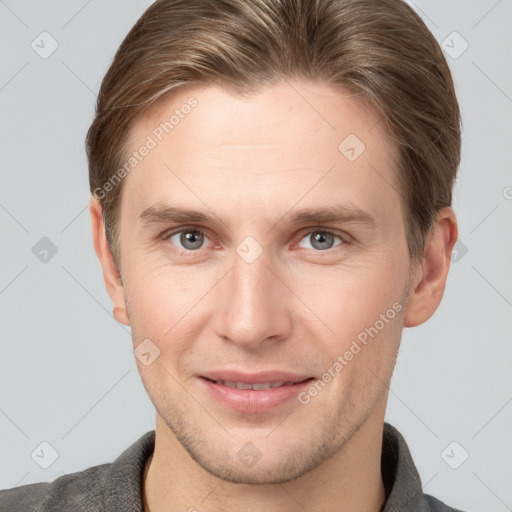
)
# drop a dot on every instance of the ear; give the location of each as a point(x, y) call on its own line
point(430, 274)
point(111, 273)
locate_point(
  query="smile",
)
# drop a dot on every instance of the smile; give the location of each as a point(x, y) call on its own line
point(253, 397)
point(259, 385)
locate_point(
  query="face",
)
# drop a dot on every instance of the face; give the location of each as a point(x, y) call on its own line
point(262, 243)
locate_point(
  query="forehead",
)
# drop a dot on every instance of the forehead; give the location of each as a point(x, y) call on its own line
point(291, 139)
point(272, 114)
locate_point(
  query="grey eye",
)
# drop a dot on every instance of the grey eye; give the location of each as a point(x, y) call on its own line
point(321, 240)
point(189, 240)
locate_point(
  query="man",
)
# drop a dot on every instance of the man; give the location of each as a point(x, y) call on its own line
point(271, 187)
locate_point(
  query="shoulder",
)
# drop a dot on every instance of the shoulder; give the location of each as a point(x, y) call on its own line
point(435, 505)
point(83, 491)
point(106, 487)
point(401, 478)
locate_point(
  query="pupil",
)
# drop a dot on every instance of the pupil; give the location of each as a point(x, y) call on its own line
point(323, 239)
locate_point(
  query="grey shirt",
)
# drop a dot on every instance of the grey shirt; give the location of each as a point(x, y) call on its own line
point(117, 486)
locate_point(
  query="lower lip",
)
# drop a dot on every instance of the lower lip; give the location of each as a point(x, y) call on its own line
point(253, 400)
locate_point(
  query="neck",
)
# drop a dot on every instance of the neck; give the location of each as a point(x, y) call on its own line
point(349, 480)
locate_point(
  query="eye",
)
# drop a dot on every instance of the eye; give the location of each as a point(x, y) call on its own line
point(321, 240)
point(188, 239)
point(193, 240)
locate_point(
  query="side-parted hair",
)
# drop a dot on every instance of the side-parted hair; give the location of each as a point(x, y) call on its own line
point(378, 49)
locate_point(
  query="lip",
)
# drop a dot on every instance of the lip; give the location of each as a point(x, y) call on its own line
point(254, 400)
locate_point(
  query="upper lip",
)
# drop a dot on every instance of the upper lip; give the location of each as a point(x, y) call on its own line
point(255, 378)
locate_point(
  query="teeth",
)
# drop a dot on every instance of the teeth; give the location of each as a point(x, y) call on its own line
point(241, 385)
point(261, 385)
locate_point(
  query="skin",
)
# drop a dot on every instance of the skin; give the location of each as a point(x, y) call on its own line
point(252, 162)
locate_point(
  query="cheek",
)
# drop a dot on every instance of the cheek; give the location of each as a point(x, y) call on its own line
point(346, 301)
point(364, 310)
point(158, 292)
point(163, 305)
point(366, 314)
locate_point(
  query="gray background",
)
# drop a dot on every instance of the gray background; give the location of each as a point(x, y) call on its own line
point(67, 369)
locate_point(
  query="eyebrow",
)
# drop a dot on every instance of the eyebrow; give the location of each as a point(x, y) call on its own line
point(159, 213)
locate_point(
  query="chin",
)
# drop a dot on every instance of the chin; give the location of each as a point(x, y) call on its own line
point(262, 473)
point(267, 460)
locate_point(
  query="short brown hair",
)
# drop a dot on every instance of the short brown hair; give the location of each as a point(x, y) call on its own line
point(378, 49)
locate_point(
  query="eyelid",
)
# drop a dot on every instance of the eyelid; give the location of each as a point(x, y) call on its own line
point(324, 229)
point(178, 229)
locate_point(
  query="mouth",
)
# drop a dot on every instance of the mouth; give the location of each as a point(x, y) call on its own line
point(256, 385)
point(255, 393)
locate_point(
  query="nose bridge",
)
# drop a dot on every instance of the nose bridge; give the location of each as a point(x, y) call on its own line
point(252, 309)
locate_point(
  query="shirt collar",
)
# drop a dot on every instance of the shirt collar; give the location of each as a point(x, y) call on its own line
point(401, 478)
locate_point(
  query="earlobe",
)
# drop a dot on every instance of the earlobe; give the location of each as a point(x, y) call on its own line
point(111, 273)
point(431, 273)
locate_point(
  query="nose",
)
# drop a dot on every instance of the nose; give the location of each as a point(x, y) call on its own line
point(253, 308)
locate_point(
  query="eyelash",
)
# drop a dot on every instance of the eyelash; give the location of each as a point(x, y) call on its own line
point(342, 236)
